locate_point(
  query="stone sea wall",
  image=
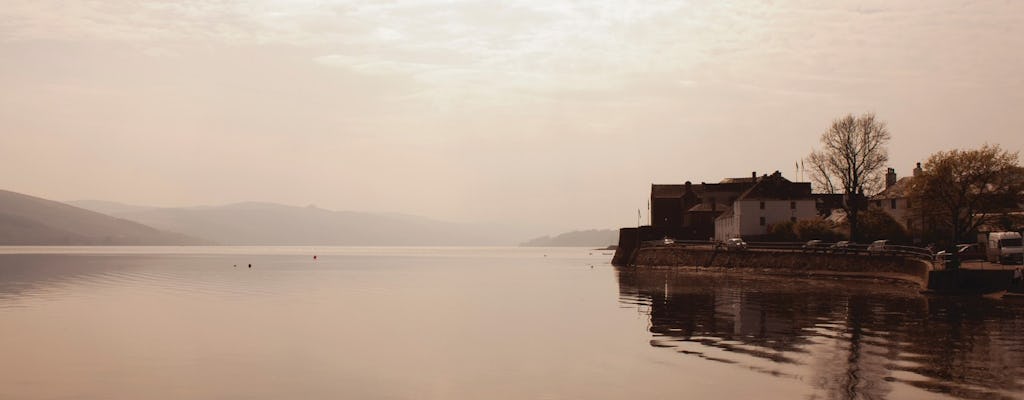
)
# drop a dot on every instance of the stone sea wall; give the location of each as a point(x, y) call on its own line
point(786, 262)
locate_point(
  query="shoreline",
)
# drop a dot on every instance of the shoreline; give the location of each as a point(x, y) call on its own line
point(897, 279)
point(783, 263)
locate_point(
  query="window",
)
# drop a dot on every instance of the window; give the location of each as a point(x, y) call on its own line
point(908, 203)
point(792, 205)
point(762, 219)
point(892, 203)
point(792, 219)
point(878, 203)
point(762, 207)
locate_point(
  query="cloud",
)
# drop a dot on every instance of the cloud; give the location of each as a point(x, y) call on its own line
point(487, 85)
point(792, 46)
point(373, 65)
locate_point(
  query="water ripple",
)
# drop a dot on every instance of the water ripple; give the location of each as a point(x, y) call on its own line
point(850, 340)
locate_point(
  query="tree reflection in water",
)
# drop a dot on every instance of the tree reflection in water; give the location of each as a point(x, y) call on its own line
point(847, 339)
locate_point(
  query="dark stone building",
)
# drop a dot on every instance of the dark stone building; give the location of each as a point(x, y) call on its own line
point(688, 211)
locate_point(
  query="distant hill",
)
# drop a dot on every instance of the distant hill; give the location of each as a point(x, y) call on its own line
point(589, 238)
point(254, 223)
point(108, 207)
point(28, 220)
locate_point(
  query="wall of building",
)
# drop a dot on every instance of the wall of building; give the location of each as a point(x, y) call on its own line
point(900, 213)
point(749, 214)
point(666, 212)
point(725, 227)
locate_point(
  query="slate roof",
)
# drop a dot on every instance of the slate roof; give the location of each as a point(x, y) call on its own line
point(737, 185)
point(667, 191)
point(899, 190)
point(702, 207)
point(739, 180)
point(776, 187)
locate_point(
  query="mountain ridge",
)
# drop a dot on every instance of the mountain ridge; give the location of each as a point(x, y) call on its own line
point(581, 238)
point(31, 220)
point(264, 223)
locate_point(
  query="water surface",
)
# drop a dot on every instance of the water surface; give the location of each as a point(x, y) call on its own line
point(397, 323)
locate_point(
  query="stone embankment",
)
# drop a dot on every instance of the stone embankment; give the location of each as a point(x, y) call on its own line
point(777, 262)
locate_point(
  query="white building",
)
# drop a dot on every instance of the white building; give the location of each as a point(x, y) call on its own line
point(895, 199)
point(772, 200)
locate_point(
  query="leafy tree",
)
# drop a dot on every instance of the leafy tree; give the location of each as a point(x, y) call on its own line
point(810, 229)
point(964, 189)
point(877, 224)
point(783, 232)
point(850, 162)
point(804, 230)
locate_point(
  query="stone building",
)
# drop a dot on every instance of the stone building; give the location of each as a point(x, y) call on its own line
point(773, 199)
point(691, 211)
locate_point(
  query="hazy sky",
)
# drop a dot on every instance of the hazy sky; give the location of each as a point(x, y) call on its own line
point(546, 113)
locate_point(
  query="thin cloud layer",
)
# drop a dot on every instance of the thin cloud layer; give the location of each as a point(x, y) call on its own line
point(556, 114)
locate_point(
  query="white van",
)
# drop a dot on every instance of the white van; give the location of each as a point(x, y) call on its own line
point(1005, 247)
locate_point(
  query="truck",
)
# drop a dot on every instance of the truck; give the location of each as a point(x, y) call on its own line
point(1005, 247)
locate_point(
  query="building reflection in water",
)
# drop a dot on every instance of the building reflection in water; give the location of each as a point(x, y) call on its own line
point(845, 339)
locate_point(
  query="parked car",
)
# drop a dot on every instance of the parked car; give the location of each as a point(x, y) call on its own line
point(842, 246)
point(815, 245)
point(878, 246)
point(971, 251)
point(735, 244)
point(964, 252)
point(668, 240)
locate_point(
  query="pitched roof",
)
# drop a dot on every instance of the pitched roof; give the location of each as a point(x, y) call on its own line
point(702, 207)
point(727, 214)
point(739, 180)
point(727, 185)
point(775, 187)
point(899, 190)
point(667, 191)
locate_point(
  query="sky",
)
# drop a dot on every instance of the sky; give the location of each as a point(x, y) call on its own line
point(549, 114)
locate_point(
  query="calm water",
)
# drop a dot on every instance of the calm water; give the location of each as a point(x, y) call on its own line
point(401, 323)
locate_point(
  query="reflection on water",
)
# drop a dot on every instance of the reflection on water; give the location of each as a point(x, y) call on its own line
point(845, 340)
point(362, 323)
point(470, 323)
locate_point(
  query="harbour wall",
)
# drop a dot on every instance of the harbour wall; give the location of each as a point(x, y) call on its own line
point(629, 242)
point(785, 263)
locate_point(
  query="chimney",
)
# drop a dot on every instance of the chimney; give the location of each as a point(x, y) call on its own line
point(753, 175)
point(918, 170)
point(890, 177)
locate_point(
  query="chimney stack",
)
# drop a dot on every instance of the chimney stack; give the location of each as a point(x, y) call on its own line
point(918, 170)
point(753, 175)
point(890, 178)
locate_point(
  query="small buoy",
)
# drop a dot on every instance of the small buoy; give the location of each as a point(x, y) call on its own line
point(250, 265)
point(234, 265)
point(314, 257)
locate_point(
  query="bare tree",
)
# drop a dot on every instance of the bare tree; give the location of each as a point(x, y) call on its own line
point(850, 162)
point(964, 189)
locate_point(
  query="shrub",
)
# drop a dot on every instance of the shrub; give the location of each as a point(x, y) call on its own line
point(810, 229)
point(876, 224)
point(804, 230)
